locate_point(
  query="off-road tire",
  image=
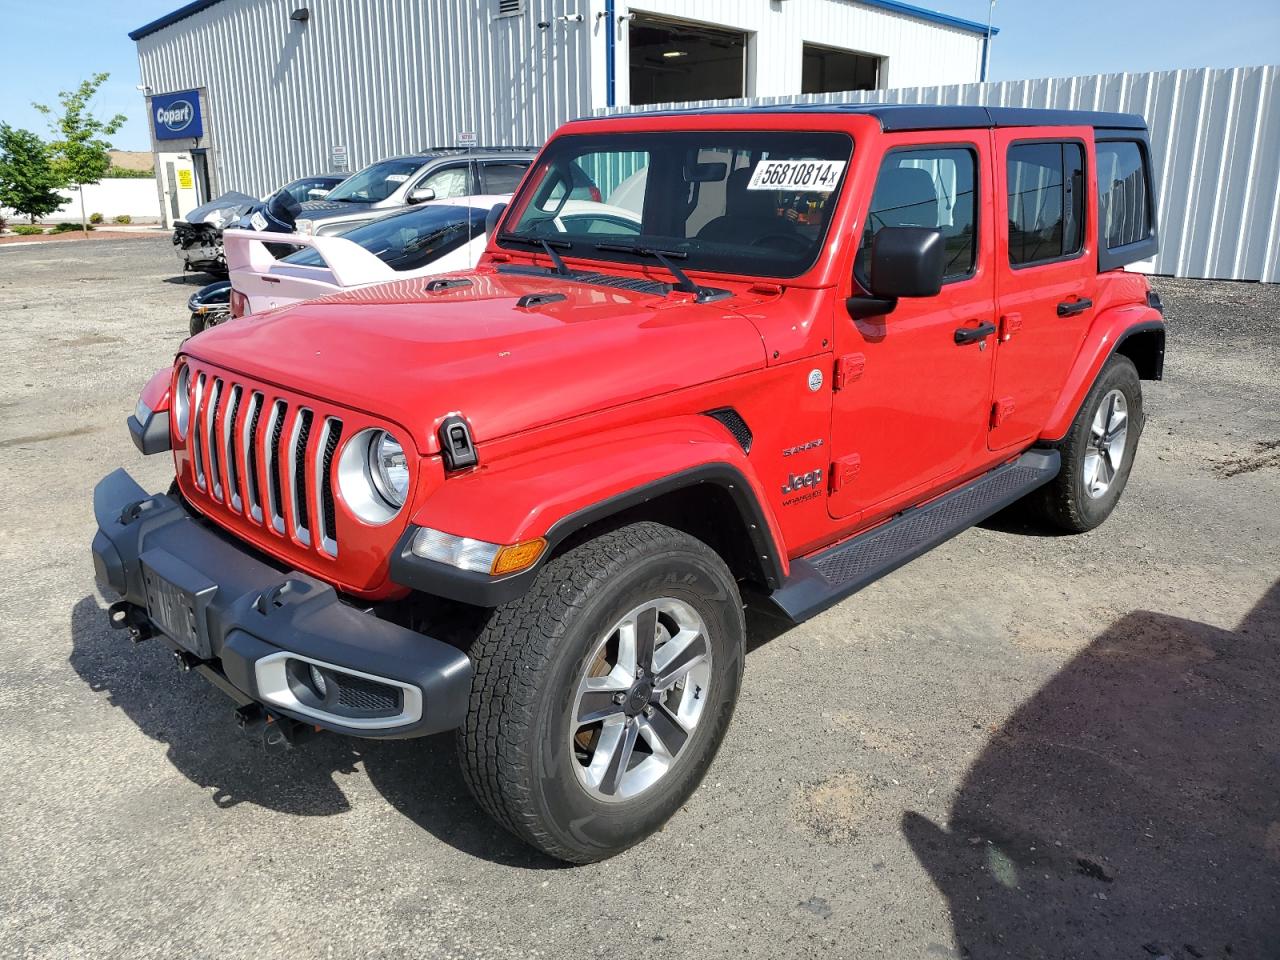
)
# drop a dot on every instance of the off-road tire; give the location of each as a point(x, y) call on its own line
point(196, 325)
point(1064, 502)
point(514, 745)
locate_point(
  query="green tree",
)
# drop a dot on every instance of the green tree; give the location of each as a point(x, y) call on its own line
point(80, 147)
point(27, 178)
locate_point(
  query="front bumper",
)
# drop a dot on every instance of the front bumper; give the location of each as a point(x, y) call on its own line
point(256, 631)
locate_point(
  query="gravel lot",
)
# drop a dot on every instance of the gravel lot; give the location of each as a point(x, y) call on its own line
point(1018, 746)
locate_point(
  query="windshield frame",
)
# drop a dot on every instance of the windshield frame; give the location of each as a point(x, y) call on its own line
point(568, 147)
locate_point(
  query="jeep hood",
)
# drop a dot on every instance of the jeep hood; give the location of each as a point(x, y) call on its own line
point(400, 352)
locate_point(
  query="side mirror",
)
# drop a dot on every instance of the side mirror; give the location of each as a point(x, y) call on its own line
point(492, 217)
point(905, 262)
point(421, 194)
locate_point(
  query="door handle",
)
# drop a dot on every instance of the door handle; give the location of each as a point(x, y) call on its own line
point(1069, 308)
point(974, 334)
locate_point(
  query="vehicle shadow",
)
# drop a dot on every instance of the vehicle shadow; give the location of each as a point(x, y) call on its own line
point(420, 778)
point(1131, 807)
point(194, 279)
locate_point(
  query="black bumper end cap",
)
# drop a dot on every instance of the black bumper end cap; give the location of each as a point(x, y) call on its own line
point(152, 435)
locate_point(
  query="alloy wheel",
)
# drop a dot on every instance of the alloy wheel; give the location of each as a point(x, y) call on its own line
point(642, 693)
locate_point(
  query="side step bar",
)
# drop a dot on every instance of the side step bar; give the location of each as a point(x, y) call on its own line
point(824, 579)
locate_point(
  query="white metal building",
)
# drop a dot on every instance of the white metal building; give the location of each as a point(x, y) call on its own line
point(248, 94)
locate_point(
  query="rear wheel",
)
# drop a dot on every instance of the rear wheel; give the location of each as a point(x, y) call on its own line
point(1098, 451)
point(601, 695)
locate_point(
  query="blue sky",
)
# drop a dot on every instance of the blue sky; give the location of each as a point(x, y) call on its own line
point(52, 46)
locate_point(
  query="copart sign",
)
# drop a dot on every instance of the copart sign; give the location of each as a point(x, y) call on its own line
point(176, 116)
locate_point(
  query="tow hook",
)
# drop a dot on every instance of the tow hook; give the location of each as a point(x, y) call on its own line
point(127, 616)
point(274, 734)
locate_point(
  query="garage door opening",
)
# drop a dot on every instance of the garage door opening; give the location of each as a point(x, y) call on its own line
point(674, 61)
point(829, 70)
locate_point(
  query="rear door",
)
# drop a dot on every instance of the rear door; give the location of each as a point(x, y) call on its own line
point(911, 400)
point(1045, 272)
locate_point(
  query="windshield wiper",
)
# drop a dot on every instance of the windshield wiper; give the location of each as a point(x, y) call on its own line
point(684, 284)
point(548, 245)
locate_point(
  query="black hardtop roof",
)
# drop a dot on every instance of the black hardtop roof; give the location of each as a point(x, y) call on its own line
point(922, 116)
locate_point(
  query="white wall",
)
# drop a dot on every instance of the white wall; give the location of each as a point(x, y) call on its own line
point(112, 197)
point(916, 51)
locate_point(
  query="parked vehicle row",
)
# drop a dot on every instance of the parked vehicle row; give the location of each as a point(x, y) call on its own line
point(771, 355)
point(197, 239)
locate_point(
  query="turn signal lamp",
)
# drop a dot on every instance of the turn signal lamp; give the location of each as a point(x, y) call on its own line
point(478, 556)
point(518, 556)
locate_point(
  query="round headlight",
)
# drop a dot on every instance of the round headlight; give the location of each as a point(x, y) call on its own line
point(181, 402)
point(389, 468)
point(373, 475)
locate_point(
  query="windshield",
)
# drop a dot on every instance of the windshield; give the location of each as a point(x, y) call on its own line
point(408, 241)
point(752, 203)
point(376, 182)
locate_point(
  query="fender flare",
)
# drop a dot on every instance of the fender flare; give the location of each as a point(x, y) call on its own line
point(149, 423)
point(554, 492)
point(1111, 329)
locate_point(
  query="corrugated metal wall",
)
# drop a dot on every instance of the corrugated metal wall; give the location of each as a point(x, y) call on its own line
point(380, 77)
point(1215, 137)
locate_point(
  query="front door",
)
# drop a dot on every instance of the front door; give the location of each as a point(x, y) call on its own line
point(178, 181)
point(1046, 260)
point(911, 406)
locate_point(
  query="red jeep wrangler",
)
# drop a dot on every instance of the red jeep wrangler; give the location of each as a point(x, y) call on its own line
point(778, 353)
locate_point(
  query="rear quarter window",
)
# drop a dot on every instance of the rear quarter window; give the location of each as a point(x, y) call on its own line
point(1123, 194)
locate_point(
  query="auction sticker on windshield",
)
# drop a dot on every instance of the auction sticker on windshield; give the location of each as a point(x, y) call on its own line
point(819, 176)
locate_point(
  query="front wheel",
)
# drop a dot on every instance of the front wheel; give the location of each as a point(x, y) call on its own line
point(196, 325)
point(1097, 452)
point(601, 695)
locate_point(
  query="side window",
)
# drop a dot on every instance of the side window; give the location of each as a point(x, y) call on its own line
point(927, 187)
point(501, 177)
point(1046, 202)
point(450, 182)
point(1123, 194)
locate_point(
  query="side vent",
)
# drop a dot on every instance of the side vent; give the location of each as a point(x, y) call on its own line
point(734, 423)
point(456, 445)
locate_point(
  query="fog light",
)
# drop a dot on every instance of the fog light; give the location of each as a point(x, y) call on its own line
point(317, 681)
